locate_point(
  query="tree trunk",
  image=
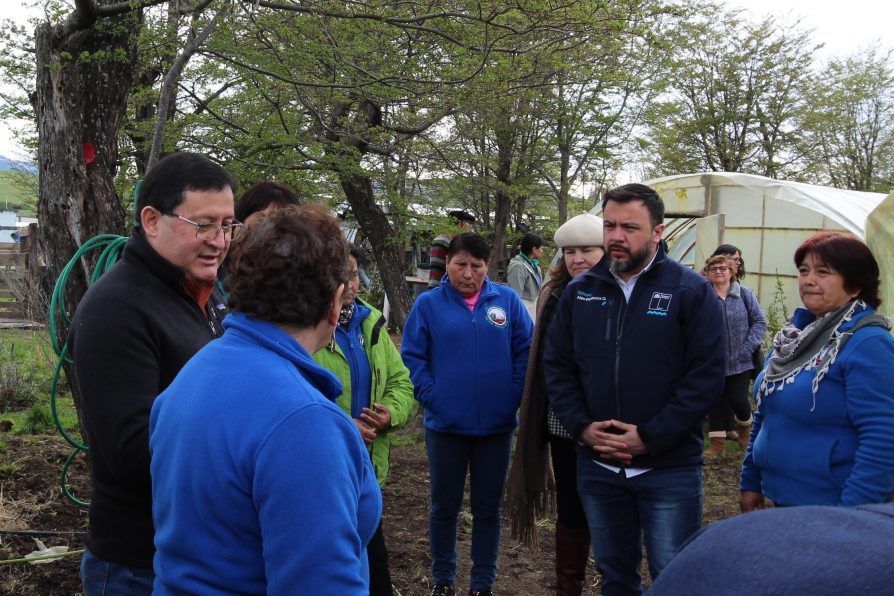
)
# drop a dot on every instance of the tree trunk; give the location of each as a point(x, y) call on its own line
point(79, 106)
point(386, 250)
point(502, 200)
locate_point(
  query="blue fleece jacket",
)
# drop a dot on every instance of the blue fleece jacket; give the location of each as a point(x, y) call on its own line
point(837, 449)
point(468, 367)
point(260, 483)
point(657, 362)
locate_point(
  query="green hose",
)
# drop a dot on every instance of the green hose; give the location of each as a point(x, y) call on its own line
point(111, 246)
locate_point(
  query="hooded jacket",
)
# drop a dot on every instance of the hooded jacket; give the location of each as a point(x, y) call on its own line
point(468, 367)
point(391, 383)
point(657, 362)
point(260, 483)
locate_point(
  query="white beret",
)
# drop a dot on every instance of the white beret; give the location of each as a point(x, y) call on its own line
point(581, 230)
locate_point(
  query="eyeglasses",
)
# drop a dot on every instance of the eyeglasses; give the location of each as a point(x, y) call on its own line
point(210, 231)
point(718, 268)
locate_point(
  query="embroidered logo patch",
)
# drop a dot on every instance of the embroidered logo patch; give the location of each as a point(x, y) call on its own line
point(659, 304)
point(496, 316)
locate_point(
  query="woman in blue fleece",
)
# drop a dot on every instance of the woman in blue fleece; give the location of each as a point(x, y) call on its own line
point(260, 483)
point(466, 344)
point(824, 427)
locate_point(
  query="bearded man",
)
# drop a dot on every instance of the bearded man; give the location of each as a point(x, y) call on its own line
point(634, 360)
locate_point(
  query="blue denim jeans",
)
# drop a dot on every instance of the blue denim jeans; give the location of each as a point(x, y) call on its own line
point(487, 460)
point(104, 578)
point(663, 505)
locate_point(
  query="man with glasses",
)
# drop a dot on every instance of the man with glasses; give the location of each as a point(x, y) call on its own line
point(131, 334)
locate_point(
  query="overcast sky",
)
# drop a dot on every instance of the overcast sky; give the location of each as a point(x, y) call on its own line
point(844, 27)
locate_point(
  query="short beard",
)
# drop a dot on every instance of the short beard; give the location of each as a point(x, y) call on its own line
point(633, 262)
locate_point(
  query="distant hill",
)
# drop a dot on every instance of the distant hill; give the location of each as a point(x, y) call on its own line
point(7, 163)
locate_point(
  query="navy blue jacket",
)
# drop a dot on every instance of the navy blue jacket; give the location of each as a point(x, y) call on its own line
point(657, 362)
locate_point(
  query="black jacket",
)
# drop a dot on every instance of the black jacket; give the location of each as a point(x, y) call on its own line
point(131, 334)
point(657, 362)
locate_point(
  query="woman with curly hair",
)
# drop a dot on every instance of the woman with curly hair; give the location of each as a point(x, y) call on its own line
point(260, 483)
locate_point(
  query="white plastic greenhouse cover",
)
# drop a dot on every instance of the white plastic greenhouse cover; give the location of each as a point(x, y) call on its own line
point(880, 238)
point(848, 208)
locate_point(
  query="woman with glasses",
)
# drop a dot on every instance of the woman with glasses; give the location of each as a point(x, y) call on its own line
point(745, 328)
point(376, 392)
point(260, 483)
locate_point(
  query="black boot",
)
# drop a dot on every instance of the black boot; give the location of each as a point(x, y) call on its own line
point(572, 554)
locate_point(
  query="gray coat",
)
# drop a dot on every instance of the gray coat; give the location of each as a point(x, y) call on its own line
point(745, 328)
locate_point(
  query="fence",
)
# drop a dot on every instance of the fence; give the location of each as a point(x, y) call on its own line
point(12, 268)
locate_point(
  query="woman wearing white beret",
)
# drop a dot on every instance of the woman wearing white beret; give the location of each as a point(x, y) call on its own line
point(544, 467)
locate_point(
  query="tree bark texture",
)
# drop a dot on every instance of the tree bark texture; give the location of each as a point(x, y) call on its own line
point(386, 249)
point(83, 82)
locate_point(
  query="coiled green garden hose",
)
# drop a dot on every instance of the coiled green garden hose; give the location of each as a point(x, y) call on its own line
point(111, 246)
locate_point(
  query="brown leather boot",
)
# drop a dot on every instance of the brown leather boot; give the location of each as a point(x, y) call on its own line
point(718, 442)
point(572, 554)
point(744, 432)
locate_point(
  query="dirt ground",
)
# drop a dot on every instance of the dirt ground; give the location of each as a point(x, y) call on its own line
point(30, 499)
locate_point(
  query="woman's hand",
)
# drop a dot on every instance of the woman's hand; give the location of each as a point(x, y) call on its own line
point(366, 433)
point(750, 500)
point(378, 418)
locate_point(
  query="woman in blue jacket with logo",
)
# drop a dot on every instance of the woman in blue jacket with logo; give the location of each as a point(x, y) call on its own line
point(466, 344)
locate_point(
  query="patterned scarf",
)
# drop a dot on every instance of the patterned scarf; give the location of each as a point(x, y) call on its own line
point(814, 347)
point(346, 314)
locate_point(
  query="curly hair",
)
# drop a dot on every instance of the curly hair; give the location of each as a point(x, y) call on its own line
point(288, 265)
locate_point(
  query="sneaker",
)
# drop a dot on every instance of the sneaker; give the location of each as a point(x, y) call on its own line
point(482, 592)
point(443, 590)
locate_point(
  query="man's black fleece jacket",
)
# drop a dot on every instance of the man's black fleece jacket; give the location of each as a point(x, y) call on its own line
point(131, 334)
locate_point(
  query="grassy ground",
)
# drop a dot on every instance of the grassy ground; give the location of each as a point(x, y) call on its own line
point(27, 364)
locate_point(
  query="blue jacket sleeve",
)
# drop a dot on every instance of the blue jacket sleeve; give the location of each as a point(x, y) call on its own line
point(750, 478)
point(704, 364)
point(415, 349)
point(565, 394)
point(522, 329)
point(311, 522)
point(869, 379)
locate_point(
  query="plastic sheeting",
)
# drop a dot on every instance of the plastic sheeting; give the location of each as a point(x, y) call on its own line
point(848, 208)
point(880, 238)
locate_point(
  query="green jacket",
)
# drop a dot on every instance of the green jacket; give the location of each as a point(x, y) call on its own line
point(391, 383)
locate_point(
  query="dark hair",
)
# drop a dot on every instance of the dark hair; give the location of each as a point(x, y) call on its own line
point(360, 254)
point(638, 192)
point(529, 242)
point(729, 249)
point(471, 243)
point(850, 258)
point(262, 195)
point(164, 185)
point(287, 266)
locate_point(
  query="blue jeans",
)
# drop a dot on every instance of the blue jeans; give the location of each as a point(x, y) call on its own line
point(664, 506)
point(100, 577)
point(487, 460)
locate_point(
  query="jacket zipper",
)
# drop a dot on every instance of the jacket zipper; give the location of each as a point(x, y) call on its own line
point(618, 360)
